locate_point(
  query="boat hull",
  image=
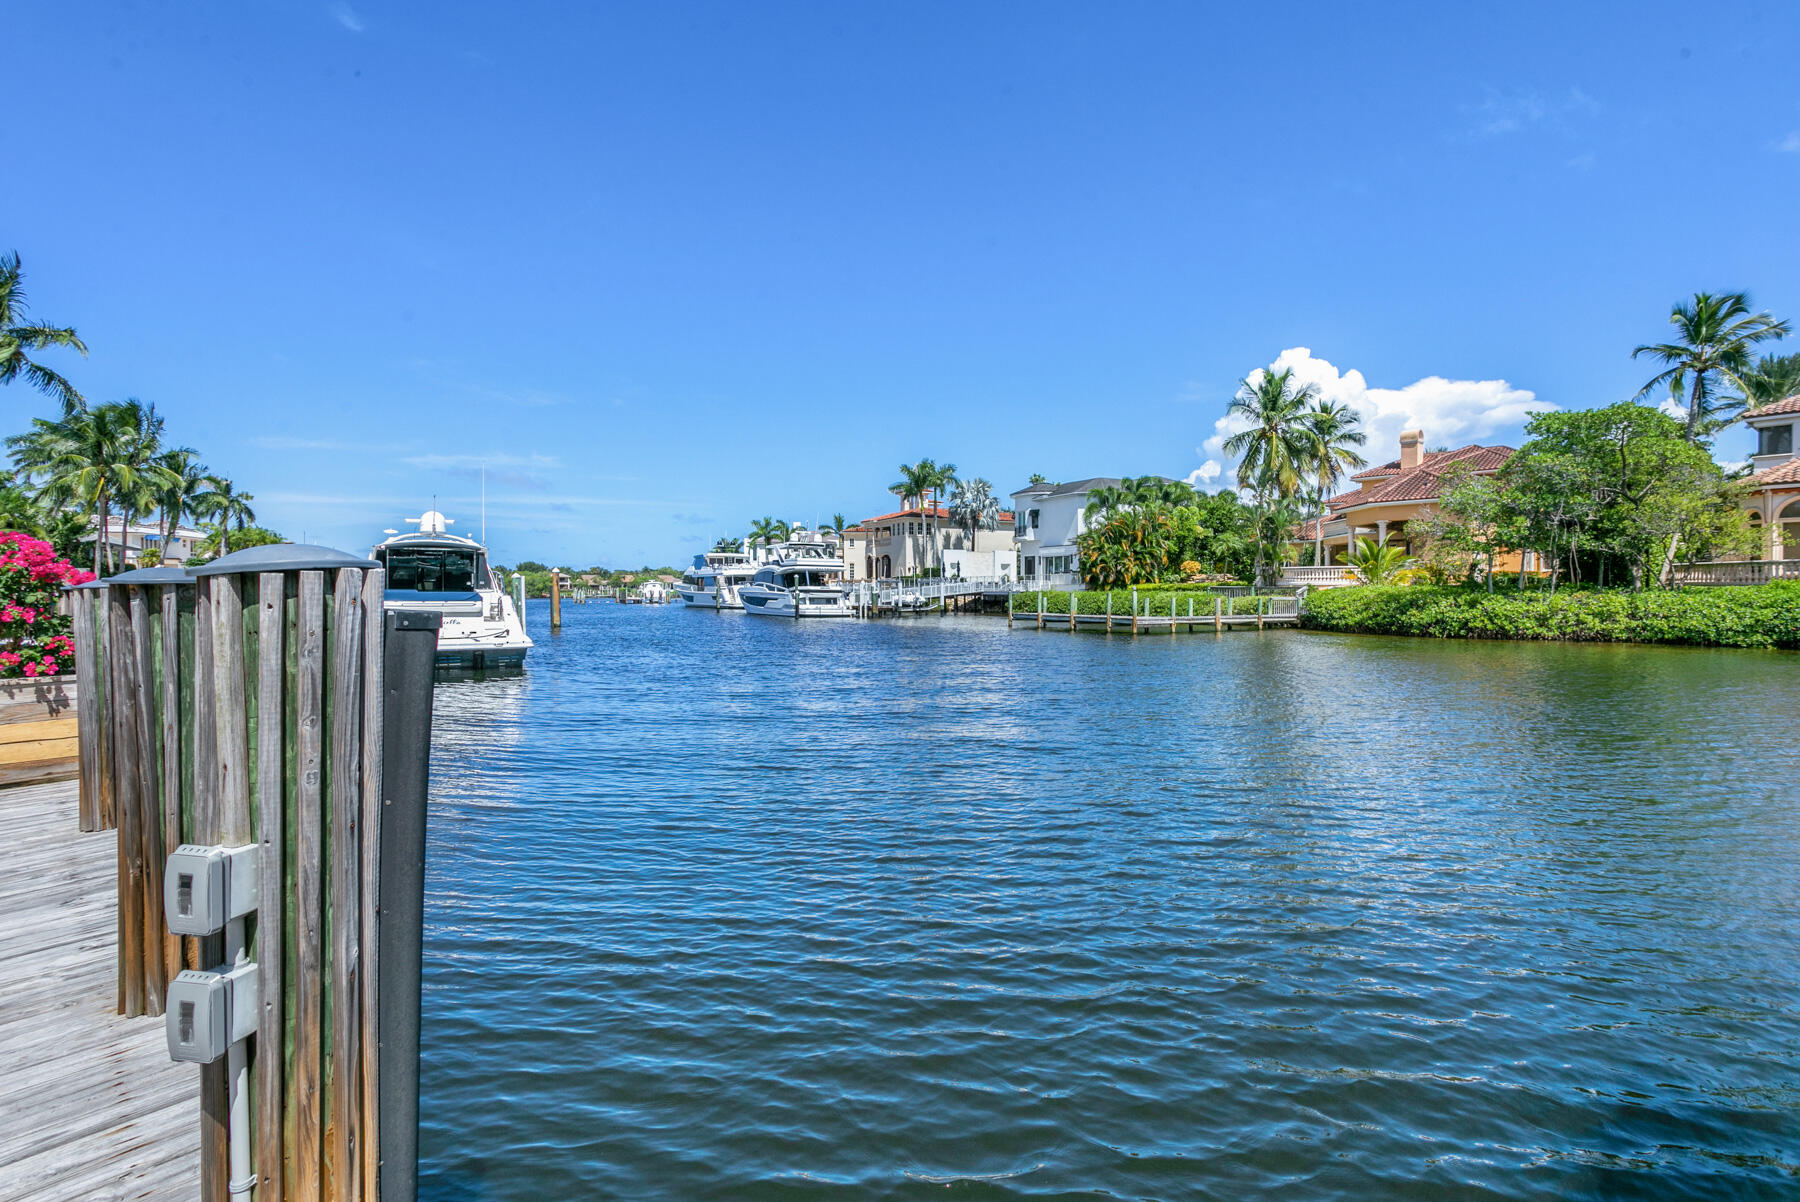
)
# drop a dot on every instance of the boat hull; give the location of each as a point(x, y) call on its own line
point(793, 603)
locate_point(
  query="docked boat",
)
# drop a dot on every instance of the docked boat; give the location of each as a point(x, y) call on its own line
point(712, 583)
point(801, 580)
point(435, 571)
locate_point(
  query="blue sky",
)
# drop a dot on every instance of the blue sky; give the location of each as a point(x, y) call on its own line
point(666, 268)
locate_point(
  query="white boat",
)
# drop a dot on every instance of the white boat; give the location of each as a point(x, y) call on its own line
point(802, 580)
point(435, 571)
point(712, 583)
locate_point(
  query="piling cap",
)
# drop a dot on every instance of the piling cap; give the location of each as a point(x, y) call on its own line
point(90, 584)
point(146, 576)
point(282, 557)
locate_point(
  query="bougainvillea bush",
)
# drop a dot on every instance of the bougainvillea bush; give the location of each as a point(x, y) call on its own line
point(34, 638)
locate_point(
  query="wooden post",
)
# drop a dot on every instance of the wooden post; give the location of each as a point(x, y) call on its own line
point(123, 670)
point(1040, 609)
point(150, 825)
point(304, 1094)
point(171, 749)
point(88, 711)
point(1218, 618)
point(1134, 611)
point(374, 593)
point(555, 600)
point(1259, 613)
point(271, 833)
point(1071, 610)
point(1109, 610)
point(344, 690)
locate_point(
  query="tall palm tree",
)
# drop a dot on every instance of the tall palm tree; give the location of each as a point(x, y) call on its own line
point(18, 336)
point(224, 504)
point(1276, 451)
point(768, 530)
point(838, 523)
point(1775, 378)
point(91, 459)
point(188, 481)
point(729, 544)
point(1336, 432)
point(973, 507)
point(1714, 337)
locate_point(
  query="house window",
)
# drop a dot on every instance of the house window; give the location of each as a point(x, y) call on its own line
point(1775, 440)
point(1030, 566)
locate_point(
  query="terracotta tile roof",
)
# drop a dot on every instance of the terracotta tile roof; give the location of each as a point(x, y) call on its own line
point(1006, 517)
point(1422, 482)
point(1781, 473)
point(1391, 468)
point(1787, 404)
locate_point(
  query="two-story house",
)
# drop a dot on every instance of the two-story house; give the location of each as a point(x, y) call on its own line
point(1774, 499)
point(911, 541)
point(1047, 519)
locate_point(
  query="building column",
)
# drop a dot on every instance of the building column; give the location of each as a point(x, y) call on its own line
point(1381, 533)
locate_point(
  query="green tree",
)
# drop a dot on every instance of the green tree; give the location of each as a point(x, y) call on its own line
point(1276, 450)
point(187, 481)
point(91, 458)
point(225, 505)
point(1377, 562)
point(1469, 525)
point(727, 544)
point(974, 507)
point(1135, 545)
point(768, 531)
point(1037, 478)
point(1714, 338)
point(19, 337)
point(1335, 431)
point(1775, 378)
point(235, 540)
point(838, 523)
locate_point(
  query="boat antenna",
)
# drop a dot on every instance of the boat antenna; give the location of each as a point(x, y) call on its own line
point(484, 504)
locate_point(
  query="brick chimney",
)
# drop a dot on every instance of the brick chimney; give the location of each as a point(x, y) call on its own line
point(1412, 449)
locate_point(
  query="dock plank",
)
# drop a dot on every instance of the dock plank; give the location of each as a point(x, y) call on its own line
point(91, 1107)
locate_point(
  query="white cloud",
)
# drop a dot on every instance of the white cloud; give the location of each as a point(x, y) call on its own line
point(346, 16)
point(1790, 144)
point(1450, 412)
point(1204, 475)
point(1673, 408)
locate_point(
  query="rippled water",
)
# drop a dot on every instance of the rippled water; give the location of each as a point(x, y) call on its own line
point(726, 907)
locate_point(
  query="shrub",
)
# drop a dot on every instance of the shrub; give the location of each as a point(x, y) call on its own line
point(1758, 616)
point(34, 638)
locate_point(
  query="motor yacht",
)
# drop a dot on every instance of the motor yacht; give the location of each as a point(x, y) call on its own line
point(799, 580)
point(432, 570)
point(712, 583)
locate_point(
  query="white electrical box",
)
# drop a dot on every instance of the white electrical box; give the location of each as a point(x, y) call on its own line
point(206, 887)
point(207, 1012)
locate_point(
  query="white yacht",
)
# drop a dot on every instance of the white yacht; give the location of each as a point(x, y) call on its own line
point(800, 580)
point(433, 570)
point(712, 583)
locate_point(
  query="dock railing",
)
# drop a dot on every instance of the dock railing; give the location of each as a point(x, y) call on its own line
point(1320, 575)
point(264, 709)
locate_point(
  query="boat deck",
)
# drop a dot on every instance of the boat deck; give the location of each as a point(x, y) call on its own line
point(91, 1107)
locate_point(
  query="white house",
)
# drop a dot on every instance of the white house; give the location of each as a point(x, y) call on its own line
point(909, 541)
point(1774, 499)
point(1047, 519)
point(140, 536)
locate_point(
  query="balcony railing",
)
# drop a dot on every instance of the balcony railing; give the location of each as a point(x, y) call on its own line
point(1322, 576)
point(1738, 571)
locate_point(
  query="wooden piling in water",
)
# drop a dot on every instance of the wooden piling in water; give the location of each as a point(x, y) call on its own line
point(555, 600)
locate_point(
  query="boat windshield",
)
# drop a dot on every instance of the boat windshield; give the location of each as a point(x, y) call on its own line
point(433, 569)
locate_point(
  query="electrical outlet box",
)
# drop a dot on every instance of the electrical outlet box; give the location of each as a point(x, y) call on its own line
point(207, 1012)
point(206, 887)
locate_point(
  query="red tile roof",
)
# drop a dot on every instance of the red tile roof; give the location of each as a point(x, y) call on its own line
point(1781, 473)
point(1422, 482)
point(1787, 404)
point(1006, 516)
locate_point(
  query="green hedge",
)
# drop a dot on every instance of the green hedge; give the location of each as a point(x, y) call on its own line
point(1150, 601)
point(1765, 615)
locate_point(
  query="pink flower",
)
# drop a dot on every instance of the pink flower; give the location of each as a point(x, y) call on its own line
point(31, 669)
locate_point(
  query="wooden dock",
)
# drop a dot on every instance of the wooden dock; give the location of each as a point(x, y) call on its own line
point(1143, 618)
point(91, 1107)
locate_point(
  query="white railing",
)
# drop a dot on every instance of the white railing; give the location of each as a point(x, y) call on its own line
point(888, 594)
point(1055, 581)
point(1737, 571)
point(1321, 576)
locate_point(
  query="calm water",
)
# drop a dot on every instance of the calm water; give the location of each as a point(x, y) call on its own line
point(725, 907)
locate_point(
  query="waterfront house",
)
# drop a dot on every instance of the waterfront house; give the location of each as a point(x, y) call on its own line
point(1774, 497)
point(1047, 519)
point(909, 541)
point(1388, 497)
point(141, 537)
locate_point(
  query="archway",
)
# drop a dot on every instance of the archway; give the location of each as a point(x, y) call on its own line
point(1789, 531)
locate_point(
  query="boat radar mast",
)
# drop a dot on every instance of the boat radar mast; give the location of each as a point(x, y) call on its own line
point(431, 522)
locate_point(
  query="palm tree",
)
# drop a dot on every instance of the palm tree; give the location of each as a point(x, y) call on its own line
point(1714, 335)
point(224, 504)
point(92, 458)
point(1277, 450)
point(838, 523)
point(1336, 432)
point(973, 507)
point(729, 545)
point(187, 482)
point(1377, 563)
point(767, 530)
point(1775, 378)
point(17, 337)
point(1103, 500)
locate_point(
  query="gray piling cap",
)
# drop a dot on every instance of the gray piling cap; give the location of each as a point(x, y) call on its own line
point(90, 584)
point(147, 576)
point(282, 557)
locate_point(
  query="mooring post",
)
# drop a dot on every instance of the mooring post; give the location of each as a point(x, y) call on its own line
point(1071, 609)
point(1218, 616)
point(1134, 610)
point(555, 600)
point(1040, 609)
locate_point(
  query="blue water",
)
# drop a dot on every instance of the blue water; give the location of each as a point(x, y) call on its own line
point(736, 908)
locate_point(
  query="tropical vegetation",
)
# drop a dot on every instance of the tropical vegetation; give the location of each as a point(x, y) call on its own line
point(34, 638)
point(1711, 353)
point(21, 337)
